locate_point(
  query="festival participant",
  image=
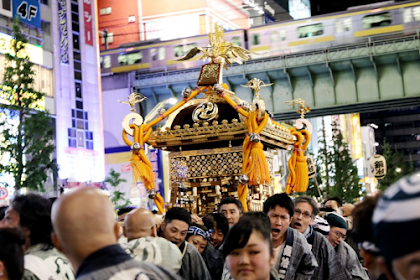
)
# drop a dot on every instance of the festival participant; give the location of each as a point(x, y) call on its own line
point(88, 236)
point(11, 254)
point(396, 227)
point(174, 228)
point(213, 253)
point(249, 250)
point(363, 234)
point(334, 203)
point(345, 252)
point(144, 244)
point(294, 259)
point(231, 208)
point(32, 214)
point(198, 236)
point(328, 266)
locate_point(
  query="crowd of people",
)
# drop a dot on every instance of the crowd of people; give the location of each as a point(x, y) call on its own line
point(81, 236)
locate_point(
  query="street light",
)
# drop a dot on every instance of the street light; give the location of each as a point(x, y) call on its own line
point(398, 170)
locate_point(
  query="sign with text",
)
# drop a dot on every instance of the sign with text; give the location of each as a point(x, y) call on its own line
point(3, 193)
point(28, 11)
point(87, 18)
point(64, 38)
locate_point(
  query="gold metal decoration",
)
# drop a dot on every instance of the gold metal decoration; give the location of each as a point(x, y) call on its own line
point(206, 111)
point(134, 98)
point(256, 85)
point(303, 109)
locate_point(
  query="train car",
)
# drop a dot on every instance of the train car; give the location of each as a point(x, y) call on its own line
point(155, 56)
point(357, 24)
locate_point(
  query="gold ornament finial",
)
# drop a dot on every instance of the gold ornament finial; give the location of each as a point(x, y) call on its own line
point(302, 105)
point(134, 98)
point(256, 85)
point(219, 51)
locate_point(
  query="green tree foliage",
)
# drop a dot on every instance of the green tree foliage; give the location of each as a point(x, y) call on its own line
point(337, 174)
point(397, 167)
point(26, 130)
point(346, 180)
point(117, 197)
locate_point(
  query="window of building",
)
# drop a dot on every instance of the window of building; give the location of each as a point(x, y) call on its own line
point(89, 135)
point(382, 19)
point(80, 124)
point(45, 2)
point(80, 139)
point(77, 65)
point(76, 55)
point(75, 27)
point(89, 145)
point(78, 87)
point(105, 11)
point(79, 104)
point(237, 41)
point(76, 43)
point(312, 30)
point(161, 53)
point(72, 142)
point(7, 5)
point(78, 75)
point(71, 132)
point(74, 17)
point(106, 61)
point(130, 58)
point(255, 39)
point(132, 19)
point(74, 8)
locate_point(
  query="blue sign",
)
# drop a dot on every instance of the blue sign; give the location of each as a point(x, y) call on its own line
point(28, 11)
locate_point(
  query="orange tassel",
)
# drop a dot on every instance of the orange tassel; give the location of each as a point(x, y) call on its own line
point(258, 171)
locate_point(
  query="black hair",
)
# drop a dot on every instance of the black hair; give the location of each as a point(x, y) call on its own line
point(282, 200)
point(230, 200)
point(35, 215)
point(221, 223)
point(11, 253)
point(239, 234)
point(310, 201)
point(196, 225)
point(259, 216)
point(178, 213)
point(2, 212)
point(208, 220)
point(125, 209)
point(335, 198)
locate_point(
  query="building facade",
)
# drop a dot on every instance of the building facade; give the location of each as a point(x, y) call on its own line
point(62, 42)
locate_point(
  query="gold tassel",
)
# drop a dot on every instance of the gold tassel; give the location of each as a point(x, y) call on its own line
point(258, 171)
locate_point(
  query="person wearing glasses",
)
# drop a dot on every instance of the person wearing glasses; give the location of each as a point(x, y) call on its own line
point(345, 252)
point(306, 210)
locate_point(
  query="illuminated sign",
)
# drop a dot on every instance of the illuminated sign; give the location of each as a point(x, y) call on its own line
point(35, 53)
point(27, 11)
point(299, 9)
point(64, 38)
